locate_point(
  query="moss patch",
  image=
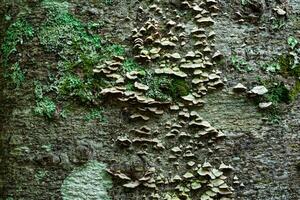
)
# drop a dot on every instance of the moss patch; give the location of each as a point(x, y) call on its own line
point(78, 51)
point(45, 107)
point(165, 88)
point(17, 33)
point(294, 92)
point(288, 66)
point(278, 93)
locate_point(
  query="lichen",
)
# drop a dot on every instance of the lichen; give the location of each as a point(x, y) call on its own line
point(90, 181)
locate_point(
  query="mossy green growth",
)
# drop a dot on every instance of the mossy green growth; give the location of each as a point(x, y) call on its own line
point(38, 90)
point(45, 107)
point(66, 35)
point(15, 75)
point(130, 65)
point(108, 2)
point(179, 87)
point(71, 85)
point(278, 93)
point(295, 91)
point(159, 87)
point(16, 34)
point(116, 50)
point(129, 86)
point(288, 66)
point(165, 88)
point(78, 50)
point(240, 64)
point(272, 67)
point(292, 42)
point(95, 114)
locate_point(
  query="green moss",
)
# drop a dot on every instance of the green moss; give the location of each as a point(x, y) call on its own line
point(294, 92)
point(15, 75)
point(108, 2)
point(45, 107)
point(69, 84)
point(159, 87)
point(16, 34)
point(179, 87)
point(78, 50)
point(271, 67)
point(72, 85)
point(130, 65)
point(278, 93)
point(95, 114)
point(55, 7)
point(292, 42)
point(64, 34)
point(116, 50)
point(240, 64)
point(165, 88)
point(288, 66)
point(129, 86)
point(38, 90)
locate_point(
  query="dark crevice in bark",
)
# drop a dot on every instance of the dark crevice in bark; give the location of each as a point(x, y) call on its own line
point(6, 9)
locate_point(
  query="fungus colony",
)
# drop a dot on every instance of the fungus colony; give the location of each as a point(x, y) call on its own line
point(178, 43)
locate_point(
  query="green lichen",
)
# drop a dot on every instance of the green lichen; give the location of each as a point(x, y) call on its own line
point(90, 181)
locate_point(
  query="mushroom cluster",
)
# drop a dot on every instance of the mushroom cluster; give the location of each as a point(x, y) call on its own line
point(211, 181)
